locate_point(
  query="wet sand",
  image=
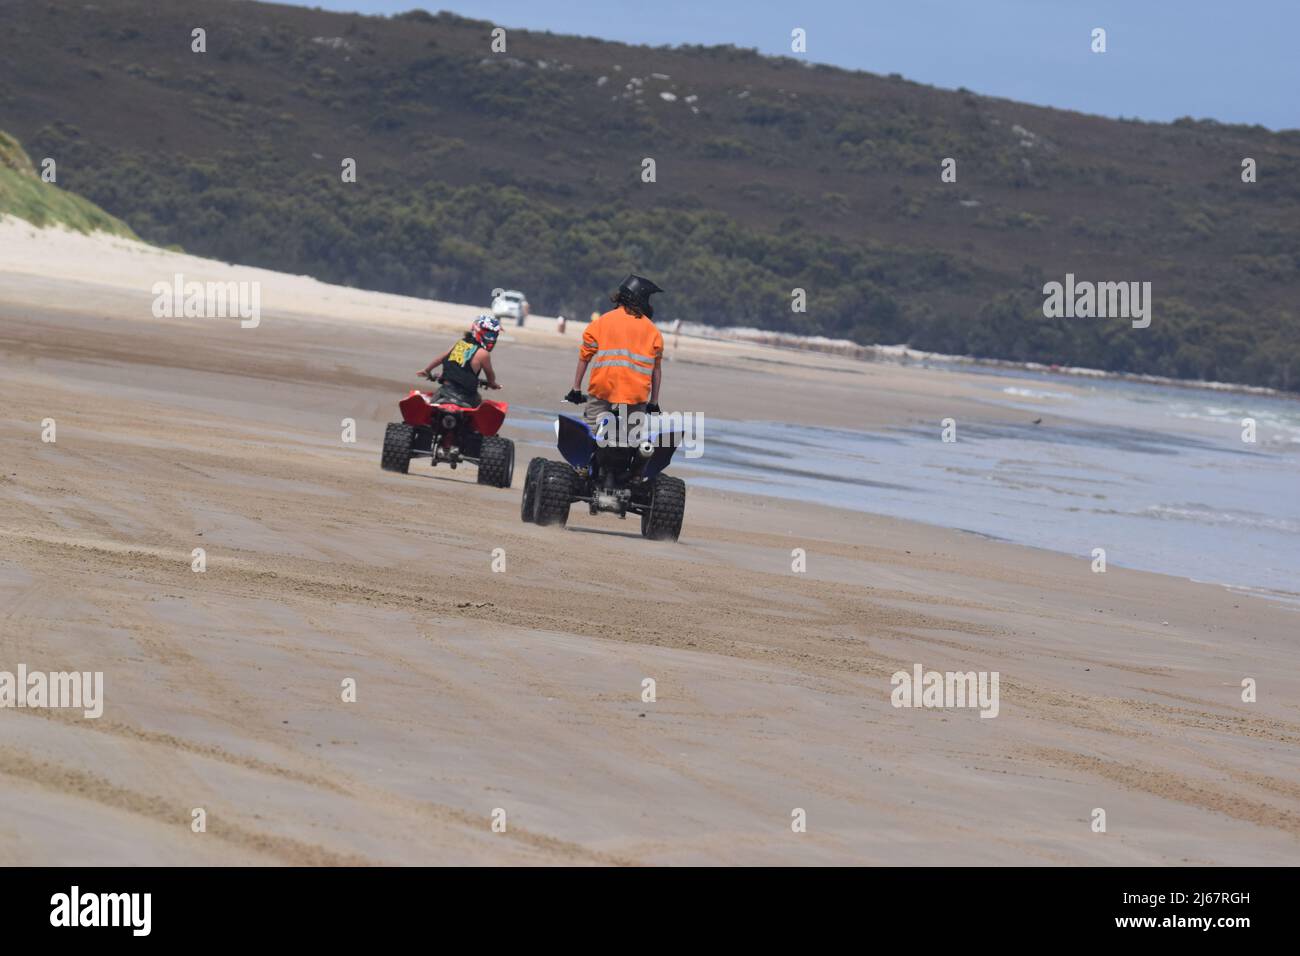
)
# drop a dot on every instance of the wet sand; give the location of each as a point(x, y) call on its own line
point(522, 690)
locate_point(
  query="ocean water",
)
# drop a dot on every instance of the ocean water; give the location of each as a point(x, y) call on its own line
point(1158, 476)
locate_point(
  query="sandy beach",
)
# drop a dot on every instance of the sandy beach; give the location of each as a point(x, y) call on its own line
point(521, 691)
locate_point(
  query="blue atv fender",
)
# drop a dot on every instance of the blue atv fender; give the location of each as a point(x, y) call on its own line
point(577, 443)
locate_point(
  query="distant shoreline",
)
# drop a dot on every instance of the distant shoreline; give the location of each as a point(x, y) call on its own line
point(902, 355)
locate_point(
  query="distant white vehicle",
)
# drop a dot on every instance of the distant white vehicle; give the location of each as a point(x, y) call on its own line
point(509, 304)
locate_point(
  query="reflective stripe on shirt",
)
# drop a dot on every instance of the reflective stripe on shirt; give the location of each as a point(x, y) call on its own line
point(622, 364)
point(630, 354)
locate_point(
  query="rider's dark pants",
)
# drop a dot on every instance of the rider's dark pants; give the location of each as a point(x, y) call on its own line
point(449, 394)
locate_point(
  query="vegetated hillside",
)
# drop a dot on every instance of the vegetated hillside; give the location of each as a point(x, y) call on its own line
point(24, 194)
point(523, 168)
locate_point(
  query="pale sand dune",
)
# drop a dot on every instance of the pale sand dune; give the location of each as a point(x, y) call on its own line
point(522, 690)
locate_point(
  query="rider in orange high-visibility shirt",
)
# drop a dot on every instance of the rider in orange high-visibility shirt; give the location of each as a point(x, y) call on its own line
point(624, 351)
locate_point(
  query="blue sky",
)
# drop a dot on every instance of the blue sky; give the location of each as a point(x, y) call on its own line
point(1230, 60)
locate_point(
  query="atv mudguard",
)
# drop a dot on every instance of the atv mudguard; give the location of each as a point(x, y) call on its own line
point(659, 460)
point(575, 440)
point(417, 409)
point(577, 443)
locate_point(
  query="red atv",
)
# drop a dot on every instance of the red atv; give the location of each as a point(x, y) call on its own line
point(450, 433)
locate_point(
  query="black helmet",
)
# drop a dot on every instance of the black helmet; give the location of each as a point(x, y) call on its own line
point(635, 291)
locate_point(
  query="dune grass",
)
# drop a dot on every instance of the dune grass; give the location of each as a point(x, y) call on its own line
point(25, 195)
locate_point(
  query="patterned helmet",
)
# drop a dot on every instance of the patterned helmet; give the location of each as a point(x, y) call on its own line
point(485, 330)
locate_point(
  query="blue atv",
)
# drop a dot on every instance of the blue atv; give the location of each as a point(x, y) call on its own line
point(621, 479)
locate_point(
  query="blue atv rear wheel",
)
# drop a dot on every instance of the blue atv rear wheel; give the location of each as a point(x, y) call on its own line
point(662, 521)
point(528, 505)
point(554, 493)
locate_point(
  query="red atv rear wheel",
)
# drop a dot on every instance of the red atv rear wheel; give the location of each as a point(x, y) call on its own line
point(399, 439)
point(496, 462)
